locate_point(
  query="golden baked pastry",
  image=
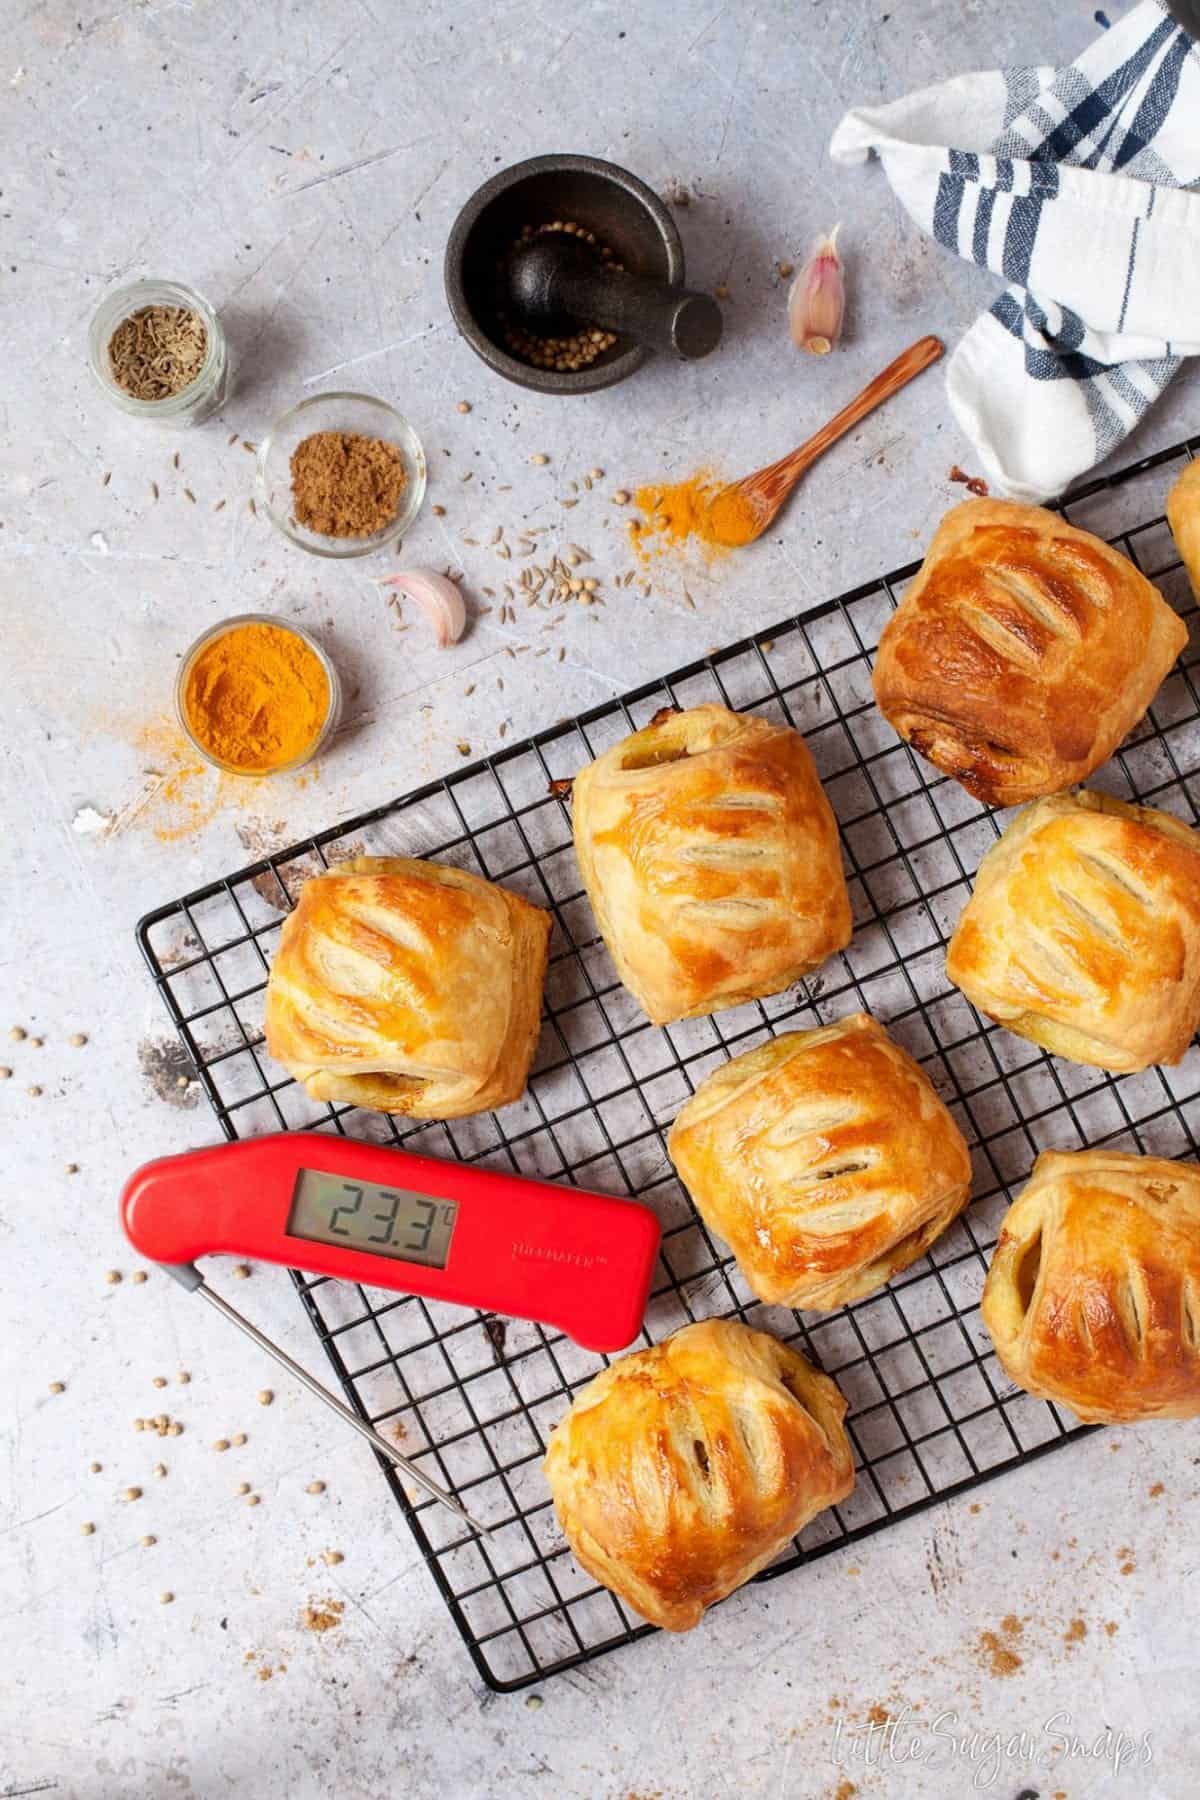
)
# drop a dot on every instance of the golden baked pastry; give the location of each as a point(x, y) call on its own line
point(1183, 516)
point(825, 1160)
point(1023, 652)
point(1083, 932)
point(682, 1470)
point(1093, 1296)
point(408, 987)
point(710, 856)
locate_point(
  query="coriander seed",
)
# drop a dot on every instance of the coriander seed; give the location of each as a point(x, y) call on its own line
point(87, 1528)
point(138, 1276)
point(148, 1541)
point(160, 1381)
point(112, 1276)
point(252, 1499)
point(166, 1599)
point(238, 1439)
point(133, 1493)
point(94, 1468)
point(464, 406)
point(160, 1470)
point(539, 462)
point(221, 1444)
point(5, 1074)
point(241, 1271)
point(265, 1396)
point(58, 1387)
point(35, 1093)
point(73, 1169)
point(77, 1039)
point(183, 1378)
point(243, 1487)
point(18, 1033)
point(315, 1487)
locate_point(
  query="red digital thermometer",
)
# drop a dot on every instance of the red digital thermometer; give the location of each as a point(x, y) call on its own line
point(577, 1261)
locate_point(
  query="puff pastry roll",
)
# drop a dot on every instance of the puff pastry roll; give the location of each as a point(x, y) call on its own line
point(1083, 932)
point(710, 856)
point(1093, 1296)
point(682, 1470)
point(825, 1160)
point(1183, 516)
point(1023, 652)
point(408, 987)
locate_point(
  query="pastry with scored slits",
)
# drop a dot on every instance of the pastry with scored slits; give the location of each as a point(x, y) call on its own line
point(710, 856)
point(1183, 516)
point(1083, 932)
point(1023, 653)
point(408, 987)
point(825, 1160)
point(682, 1470)
point(1093, 1295)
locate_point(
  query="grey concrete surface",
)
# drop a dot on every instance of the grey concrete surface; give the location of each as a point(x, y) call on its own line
point(301, 165)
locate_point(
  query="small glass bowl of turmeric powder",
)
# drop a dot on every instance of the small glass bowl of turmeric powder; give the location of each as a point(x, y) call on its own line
point(257, 695)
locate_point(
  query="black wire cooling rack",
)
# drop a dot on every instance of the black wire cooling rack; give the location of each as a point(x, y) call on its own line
point(473, 1397)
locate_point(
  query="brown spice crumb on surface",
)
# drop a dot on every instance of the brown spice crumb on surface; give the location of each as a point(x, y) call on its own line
point(322, 1615)
point(1011, 1626)
point(1075, 1633)
point(996, 1656)
point(1156, 1490)
point(845, 1789)
point(345, 485)
point(1111, 1627)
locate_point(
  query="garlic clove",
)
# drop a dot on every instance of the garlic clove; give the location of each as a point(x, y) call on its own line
point(817, 299)
point(438, 598)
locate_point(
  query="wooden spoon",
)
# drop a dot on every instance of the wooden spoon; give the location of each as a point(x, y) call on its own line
point(767, 489)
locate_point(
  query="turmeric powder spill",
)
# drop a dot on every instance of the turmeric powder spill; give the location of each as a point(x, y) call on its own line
point(717, 516)
point(256, 697)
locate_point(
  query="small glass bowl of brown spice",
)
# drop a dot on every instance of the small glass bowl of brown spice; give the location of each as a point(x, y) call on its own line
point(342, 474)
point(157, 350)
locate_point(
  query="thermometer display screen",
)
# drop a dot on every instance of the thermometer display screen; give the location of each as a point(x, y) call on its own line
point(364, 1215)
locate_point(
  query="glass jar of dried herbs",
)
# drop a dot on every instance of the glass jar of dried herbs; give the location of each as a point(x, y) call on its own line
point(158, 351)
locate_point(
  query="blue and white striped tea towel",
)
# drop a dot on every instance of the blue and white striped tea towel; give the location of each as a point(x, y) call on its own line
point(1069, 183)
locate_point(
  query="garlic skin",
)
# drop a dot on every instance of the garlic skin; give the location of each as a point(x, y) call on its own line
point(438, 598)
point(817, 298)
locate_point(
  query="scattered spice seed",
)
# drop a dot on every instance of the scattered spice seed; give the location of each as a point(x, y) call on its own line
point(17, 1033)
point(252, 1499)
point(721, 291)
point(166, 1599)
point(106, 478)
point(148, 1541)
point(36, 1043)
point(596, 474)
point(247, 445)
point(464, 406)
point(315, 1487)
point(112, 1276)
point(154, 490)
point(218, 506)
point(5, 1074)
point(332, 1557)
point(94, 1468)
point(183, 1378)
point(439, 512)
point(77, 1040)
point(241, 1270)
point(139, 1275)
point(463, 748)
point(221, 1444)
point(188, 495)
point(58, 1387)
point(87, 1528)
point(238, 1439)
point(540, 460)
point(784, 269)
point(160, 1470)
point(251, 508)
point(265, 1396)
point(174, 1428)
point(160, 1381)
point(139, 1424)
point(242, 1488)
point(233, 437)
point(175, 460)
point(133, 1493)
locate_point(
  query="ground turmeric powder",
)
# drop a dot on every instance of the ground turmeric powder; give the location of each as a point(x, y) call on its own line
point(256, 697)
point(717, 516)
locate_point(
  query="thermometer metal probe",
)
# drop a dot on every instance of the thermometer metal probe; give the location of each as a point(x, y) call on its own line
point(189, 1276)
